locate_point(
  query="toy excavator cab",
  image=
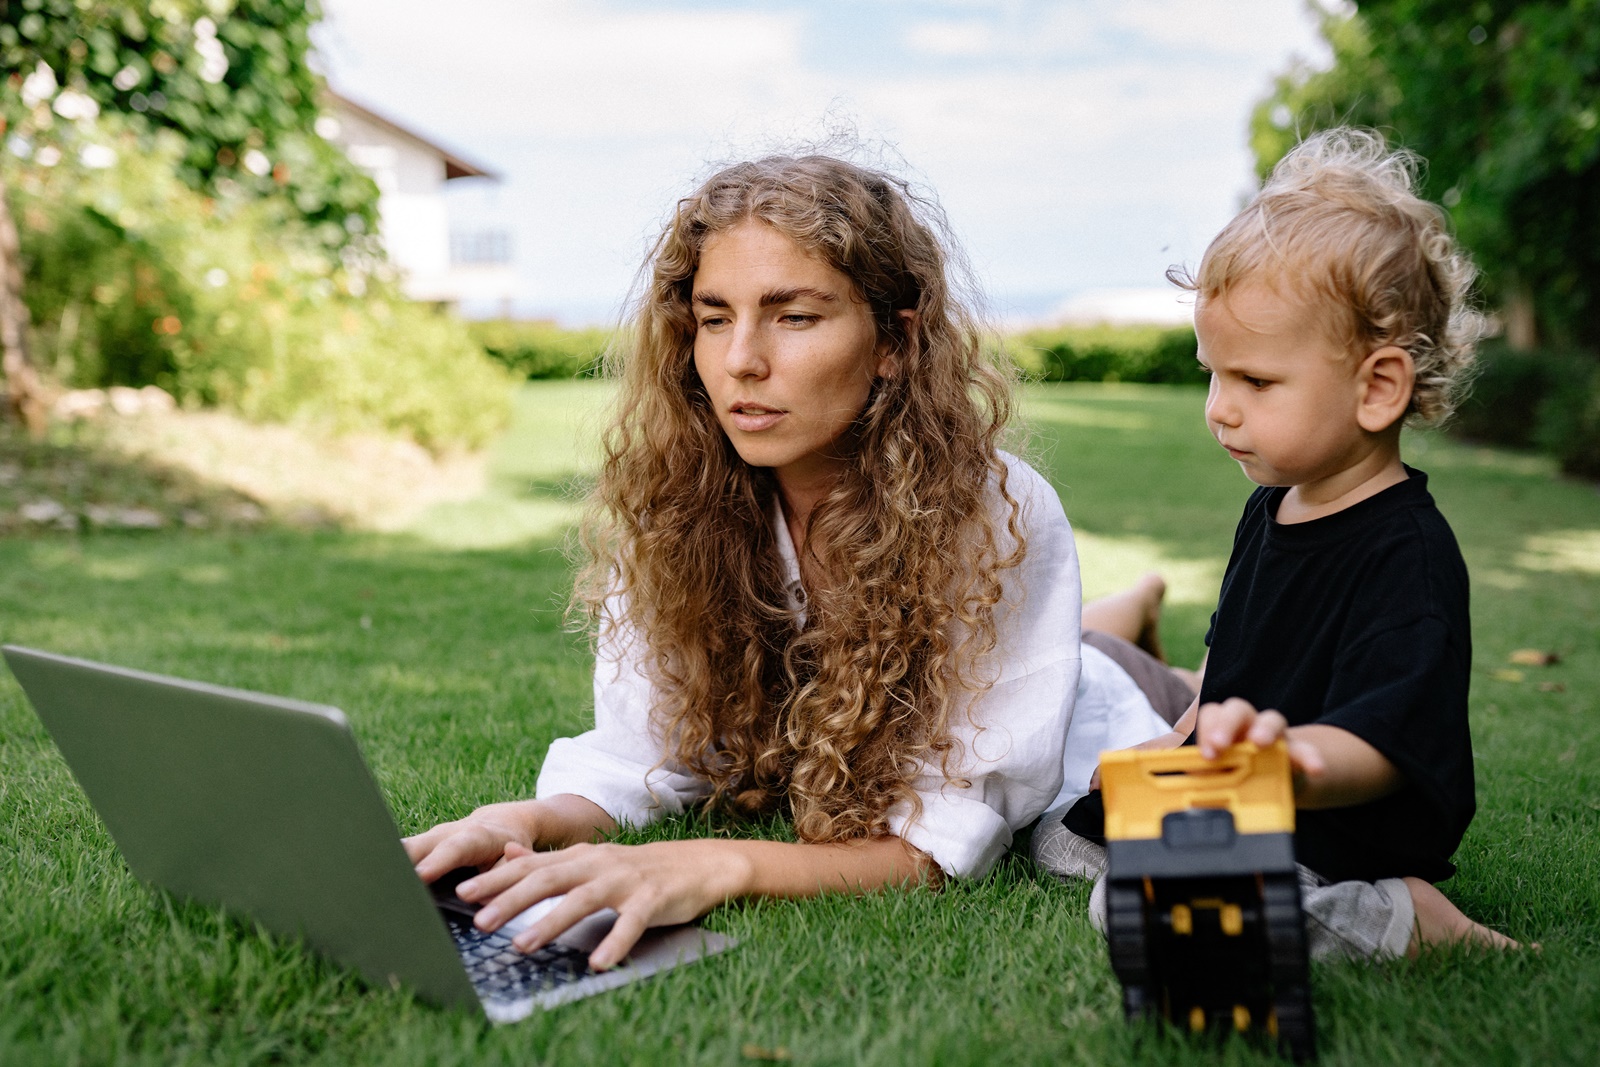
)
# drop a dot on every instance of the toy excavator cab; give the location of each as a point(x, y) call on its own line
point(1202, 899)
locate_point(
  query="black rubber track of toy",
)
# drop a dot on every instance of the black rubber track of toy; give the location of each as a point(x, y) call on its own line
point(1290, 966)
point(1130, 950)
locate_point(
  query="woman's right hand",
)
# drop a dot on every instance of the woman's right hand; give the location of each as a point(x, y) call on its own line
point(480, 839)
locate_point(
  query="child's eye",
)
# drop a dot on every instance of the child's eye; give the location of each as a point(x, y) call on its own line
point(1256, 383)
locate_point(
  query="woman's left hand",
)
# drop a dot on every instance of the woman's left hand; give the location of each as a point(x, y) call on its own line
point(658, 884)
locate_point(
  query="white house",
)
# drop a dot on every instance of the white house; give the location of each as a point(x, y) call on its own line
point(411, 172)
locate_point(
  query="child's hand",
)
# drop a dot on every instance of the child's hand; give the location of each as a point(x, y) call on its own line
point(1236, 719)
point(1168, 740)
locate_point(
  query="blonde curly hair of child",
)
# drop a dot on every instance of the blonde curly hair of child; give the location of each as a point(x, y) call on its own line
point(828, 721)
point(1339, 223)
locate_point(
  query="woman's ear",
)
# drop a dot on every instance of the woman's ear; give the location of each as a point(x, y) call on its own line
point(1386, 378)
point(891, 357)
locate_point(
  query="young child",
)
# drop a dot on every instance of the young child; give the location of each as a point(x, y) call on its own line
point(1329, 312)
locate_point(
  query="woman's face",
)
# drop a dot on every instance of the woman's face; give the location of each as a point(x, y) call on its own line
point(786, 350)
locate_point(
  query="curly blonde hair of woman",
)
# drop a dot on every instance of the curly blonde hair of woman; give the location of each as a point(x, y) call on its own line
point(1340, 223)
point(830, 720)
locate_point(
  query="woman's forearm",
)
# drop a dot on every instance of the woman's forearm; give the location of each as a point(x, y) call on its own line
point(785, 869)
point(668, 882)
point(566, 819)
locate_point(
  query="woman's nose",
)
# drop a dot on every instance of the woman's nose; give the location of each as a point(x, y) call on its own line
point(747, 354)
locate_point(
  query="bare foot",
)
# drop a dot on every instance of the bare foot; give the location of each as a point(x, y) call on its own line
point(1440, 922)
point(1151, 590)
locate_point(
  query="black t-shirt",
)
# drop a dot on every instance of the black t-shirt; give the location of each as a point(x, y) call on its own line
point(1359, 620)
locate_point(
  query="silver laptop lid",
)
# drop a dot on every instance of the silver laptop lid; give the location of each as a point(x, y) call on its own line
point(254, 802)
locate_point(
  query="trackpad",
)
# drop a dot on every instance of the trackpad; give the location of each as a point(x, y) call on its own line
point(586, 934)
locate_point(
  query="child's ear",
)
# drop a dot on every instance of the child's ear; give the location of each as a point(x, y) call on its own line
point(1386, 378)
point(891, 358)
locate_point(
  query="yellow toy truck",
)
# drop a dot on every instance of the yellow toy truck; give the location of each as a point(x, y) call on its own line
point(1203, 903)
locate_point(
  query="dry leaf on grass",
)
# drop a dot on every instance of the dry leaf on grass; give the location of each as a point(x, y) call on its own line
point(1534, 657)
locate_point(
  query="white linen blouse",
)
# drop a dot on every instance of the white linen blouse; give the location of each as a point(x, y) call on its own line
point(1014, 737)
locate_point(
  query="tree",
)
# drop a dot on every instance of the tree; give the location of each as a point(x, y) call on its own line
point(231, 77)
point(1502, 98)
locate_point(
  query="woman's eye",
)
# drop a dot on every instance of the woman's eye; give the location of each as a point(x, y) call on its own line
point(712, 321)
point(798, 318)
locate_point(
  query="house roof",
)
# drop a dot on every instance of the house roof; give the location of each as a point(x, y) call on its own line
point(455, 165)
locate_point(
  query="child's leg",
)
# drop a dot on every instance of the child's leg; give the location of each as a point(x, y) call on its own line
point(1439, 922)
point(1133, 614)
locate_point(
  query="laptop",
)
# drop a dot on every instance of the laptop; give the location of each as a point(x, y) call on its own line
point(264, 806)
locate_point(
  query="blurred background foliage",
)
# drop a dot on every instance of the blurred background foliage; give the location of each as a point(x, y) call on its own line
point(537, 350)
point(1502, 99)
point(1103, 353)
point(182, 224)
point(230, 78)
point(134, 278)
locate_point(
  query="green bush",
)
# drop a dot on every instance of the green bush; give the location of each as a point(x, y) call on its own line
point(1546, 398)
point(542, 349)
point(1108, 354)
point(132, 278)
point(1569, 420)
point(1503, 406)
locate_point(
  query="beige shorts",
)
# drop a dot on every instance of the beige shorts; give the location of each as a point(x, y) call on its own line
point(1344, 920)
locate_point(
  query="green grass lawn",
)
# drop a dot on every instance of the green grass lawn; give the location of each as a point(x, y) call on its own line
point(445, 647)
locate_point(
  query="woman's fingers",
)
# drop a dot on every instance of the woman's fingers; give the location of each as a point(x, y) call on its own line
point(467, 844)
point(570, 909)
point(628, 929)
point(419, 845)
point(479, 840)
point(490, 883)
point(646, 885)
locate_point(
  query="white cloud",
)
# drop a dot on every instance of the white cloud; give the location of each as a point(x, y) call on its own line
point(952, 39)
point(1089, 143)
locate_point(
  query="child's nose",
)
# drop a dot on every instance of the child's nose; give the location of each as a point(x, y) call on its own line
point(1220, 409)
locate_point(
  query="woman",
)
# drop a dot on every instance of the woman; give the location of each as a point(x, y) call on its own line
point(818, 586)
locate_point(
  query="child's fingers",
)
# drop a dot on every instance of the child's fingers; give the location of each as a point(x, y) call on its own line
point(1307, 759)
point(1267, 728)
point(1223, 724)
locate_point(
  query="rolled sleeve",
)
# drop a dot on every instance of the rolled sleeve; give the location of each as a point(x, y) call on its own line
point(622, 764)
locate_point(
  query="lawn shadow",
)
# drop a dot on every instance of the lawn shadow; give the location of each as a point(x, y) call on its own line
point(69, 481)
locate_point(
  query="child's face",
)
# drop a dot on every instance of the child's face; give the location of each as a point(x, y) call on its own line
point(1284, 395)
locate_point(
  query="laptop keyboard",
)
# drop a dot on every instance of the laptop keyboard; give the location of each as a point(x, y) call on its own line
point(499, 972)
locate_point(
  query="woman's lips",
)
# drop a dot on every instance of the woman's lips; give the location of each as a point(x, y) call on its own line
point(752, 418)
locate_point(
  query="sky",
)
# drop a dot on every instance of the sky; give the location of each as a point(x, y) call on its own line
point(1079, 147)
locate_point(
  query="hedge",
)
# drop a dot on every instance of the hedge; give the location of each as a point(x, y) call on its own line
point(542, 349)
point(1108, 354)
point(1547, 399)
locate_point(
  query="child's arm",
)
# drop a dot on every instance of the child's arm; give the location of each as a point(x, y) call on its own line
point(1333, 767)
point(1172, 739)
